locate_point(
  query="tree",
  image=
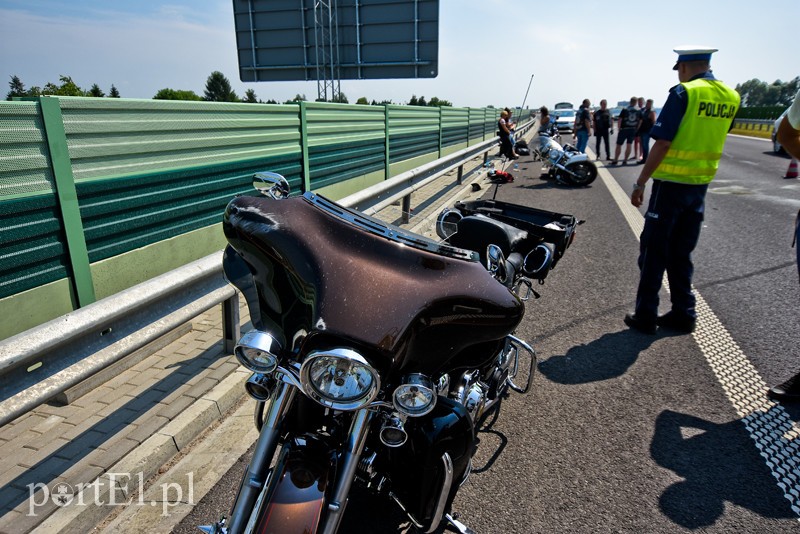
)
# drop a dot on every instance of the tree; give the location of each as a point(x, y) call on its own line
point(421, 101)
point(179, 94)
point(439, 103)
point(67, 88)
point(413, 101)
point(297, 98)
point(96, 92)
point(362, 100)
point(17, 88)
point(218, 89)
point(271, 101)
point(113, 93)
point(756, 93)
point(340, 98)
point(250, 97)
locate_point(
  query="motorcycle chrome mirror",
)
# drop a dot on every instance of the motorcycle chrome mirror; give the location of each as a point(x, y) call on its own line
point(271, 184)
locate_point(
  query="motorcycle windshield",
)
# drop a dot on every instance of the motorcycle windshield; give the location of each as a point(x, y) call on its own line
point(327, 270)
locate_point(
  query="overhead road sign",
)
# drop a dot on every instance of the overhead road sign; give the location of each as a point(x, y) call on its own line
point(280, 40)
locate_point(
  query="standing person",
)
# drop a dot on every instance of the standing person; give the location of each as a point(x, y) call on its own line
point(546, 124)
point(628, 124)
point(789, 138)
point(690, 134)
point(506, 147)
point(583, 125)
point(603, 126)
point(637, 144)
point(646, 122)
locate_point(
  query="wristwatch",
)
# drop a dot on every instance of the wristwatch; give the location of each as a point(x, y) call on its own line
point(637, 187)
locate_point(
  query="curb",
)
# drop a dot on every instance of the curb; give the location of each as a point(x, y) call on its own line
point(146, 460)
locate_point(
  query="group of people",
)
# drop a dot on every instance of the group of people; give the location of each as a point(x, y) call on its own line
point(683, 161)
point(635, 123)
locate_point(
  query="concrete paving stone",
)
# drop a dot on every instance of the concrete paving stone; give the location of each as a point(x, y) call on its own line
point(103, 395)
point(29, 515)
point(203, 386)
point(147, 428)
point(8, 521)
point(114, 453)
point(86, 425)
point(117, 406)
point(20, 425)
point(43, 448)
point(189, 423)
point(173, 390)
point(9, 472)
point(82, 473)
point(152, 361)
point(229, 391)
point(142, 402)
point(47, 424)
point(223, 366)
point(187, 348)
point(175, 407)
point(74, 414)
point(56, 432)
point(32, 479)
point(141, 378)
point(17, 443)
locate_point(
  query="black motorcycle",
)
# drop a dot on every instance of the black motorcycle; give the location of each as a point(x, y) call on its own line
point(375, 354)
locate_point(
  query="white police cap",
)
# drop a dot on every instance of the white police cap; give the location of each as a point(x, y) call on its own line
point(693, 53)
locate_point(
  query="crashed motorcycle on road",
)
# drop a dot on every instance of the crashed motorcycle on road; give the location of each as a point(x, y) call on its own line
point(565, 163)
point(375, 355)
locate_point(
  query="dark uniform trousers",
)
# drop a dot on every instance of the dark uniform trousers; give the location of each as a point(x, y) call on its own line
point(671, 230)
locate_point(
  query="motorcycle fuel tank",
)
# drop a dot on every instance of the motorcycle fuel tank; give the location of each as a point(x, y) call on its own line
point(329, 271)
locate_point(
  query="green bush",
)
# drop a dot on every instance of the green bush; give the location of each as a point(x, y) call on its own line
point(762, 113)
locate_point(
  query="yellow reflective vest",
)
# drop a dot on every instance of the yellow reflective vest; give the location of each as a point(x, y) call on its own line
point(693, 156)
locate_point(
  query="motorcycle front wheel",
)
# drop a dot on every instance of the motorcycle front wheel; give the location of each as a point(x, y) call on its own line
point(584, 173)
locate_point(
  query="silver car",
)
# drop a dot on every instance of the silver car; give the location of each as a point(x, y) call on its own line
point(565, 119)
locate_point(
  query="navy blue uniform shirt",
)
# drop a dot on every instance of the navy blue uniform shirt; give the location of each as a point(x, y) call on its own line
point(666, 126)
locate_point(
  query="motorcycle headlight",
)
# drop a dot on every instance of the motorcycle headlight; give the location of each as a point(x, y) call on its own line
point(340, 379)
point(416, 396)
point(258, 351)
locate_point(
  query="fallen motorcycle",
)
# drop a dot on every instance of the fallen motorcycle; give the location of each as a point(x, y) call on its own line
point(376, 354)
point(566, 164)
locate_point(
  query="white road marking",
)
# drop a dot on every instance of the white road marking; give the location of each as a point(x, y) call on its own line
point(774, 433)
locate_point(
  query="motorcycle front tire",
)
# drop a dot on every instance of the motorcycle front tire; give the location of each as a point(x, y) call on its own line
point(583, 173)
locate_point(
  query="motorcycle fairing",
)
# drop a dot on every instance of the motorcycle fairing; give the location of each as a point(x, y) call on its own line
point(317, 269)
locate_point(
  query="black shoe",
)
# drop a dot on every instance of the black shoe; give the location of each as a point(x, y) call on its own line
point(647, 326)
point(677, 322)
point(614, 162)
point(788, 391)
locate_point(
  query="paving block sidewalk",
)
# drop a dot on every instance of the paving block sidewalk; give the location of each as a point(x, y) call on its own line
point(52, 451)
point(116, 436)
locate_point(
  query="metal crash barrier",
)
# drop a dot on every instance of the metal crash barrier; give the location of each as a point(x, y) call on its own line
point(45, 361)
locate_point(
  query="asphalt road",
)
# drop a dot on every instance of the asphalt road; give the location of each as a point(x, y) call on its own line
point(624, 432)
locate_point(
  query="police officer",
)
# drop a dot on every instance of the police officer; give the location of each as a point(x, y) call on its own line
point(690, 133)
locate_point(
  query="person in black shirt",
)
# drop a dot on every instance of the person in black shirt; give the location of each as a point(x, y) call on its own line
point(603, 126)
point(647, 120)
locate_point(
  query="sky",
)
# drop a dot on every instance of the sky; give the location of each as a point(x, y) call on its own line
point(491, 52)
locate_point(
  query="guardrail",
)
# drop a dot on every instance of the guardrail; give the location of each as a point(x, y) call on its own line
point(40, 363)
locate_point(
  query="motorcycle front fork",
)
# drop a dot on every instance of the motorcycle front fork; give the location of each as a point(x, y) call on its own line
point(256, 475)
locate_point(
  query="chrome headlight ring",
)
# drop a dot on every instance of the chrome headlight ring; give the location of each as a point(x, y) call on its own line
point(416, 396)
point(258, 351)
point(339, 378)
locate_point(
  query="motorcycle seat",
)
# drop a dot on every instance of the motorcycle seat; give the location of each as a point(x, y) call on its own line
point(476, 232)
